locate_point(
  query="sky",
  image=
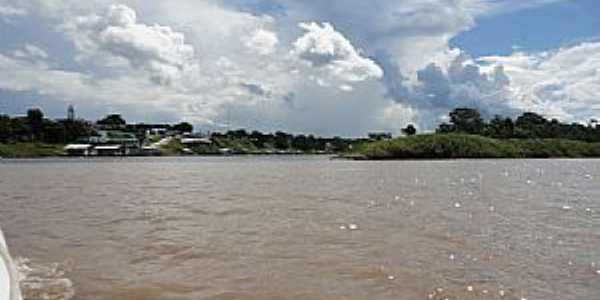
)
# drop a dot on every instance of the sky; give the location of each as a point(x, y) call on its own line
point(339, 67)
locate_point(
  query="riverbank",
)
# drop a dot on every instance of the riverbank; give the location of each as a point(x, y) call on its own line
point(457, 146)
point(30, 150)
point(173, 148)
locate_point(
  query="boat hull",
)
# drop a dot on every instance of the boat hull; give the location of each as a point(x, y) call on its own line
point(9, 289)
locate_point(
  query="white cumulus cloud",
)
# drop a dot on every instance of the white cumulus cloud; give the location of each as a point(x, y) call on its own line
point(117, 33)
point(263, 42)
point(563, 84)
point(325, 48)
point(353, 66)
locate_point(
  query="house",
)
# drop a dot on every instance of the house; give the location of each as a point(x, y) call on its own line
point(110, 150)
point(78, 149)
point(126, 139)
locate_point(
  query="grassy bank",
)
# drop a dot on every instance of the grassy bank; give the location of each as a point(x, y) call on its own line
point(30, 150)
point(235, 146)
point(449, 146)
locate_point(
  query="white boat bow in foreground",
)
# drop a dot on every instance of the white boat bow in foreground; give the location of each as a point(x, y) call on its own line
point(9, 287)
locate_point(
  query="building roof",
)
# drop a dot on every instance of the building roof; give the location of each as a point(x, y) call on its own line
point(78, 147)
point(119, 135)
point(108, 147)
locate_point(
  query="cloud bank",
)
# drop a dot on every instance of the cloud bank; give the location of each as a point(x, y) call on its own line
point(324, 67)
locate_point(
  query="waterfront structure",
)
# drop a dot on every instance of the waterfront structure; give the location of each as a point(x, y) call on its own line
point(110, 150)
point(114, 137)
point(79, 149)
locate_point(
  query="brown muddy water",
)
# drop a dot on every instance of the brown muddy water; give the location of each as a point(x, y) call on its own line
point(303, 228)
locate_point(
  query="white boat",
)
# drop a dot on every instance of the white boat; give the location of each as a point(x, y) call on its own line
point(9, 287)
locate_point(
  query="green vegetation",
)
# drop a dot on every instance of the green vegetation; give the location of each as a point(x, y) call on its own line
point(450, 146)
point(30, 150)
point(527, 126)
point(256, 143)
point(173, 147)
point(468, 135)
point(242, 142)
point(34, 128)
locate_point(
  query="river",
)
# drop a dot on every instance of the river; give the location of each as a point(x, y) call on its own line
point(303, 228)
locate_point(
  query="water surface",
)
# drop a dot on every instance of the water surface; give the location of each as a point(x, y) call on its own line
point(303, 228)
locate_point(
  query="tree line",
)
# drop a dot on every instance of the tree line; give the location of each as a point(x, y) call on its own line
point(34, 127)
point(528, 125)
point(286, 141)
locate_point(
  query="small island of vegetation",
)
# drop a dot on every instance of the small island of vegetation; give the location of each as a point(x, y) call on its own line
point(468, 135)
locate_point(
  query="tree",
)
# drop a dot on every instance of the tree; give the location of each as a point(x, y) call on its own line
point(467, 120)
point(113, 120)
point(282, 140)
point(53, 132)
point(301, 142)
point(500, 127)
point(21, 131)
point(530, 119)
point(35, 120)
point(237, 134)
point(410, 130)
point(77, 129)
point(184, 127)
point(532, 125)
point(258, 139)
point(5, 129)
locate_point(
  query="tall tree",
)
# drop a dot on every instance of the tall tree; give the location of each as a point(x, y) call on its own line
point(35, 119)
point(77, 129)
point(112, 120)
point(184, 127)
point(532, 125)
point(282, 140)
point(53, 132)
point(467, 120)
point(500, 127)
point(410, 130)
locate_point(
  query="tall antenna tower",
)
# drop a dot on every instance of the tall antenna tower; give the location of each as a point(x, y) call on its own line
point(71, 113)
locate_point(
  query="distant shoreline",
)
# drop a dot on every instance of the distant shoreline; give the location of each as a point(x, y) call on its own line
point(41, 151)
point(464, 146)
point(414, 148)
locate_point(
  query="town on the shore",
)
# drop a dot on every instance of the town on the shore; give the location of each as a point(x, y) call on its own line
point(114, 136)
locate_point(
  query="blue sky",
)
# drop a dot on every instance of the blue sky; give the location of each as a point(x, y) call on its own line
point(538, 29)
point(340, 67)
